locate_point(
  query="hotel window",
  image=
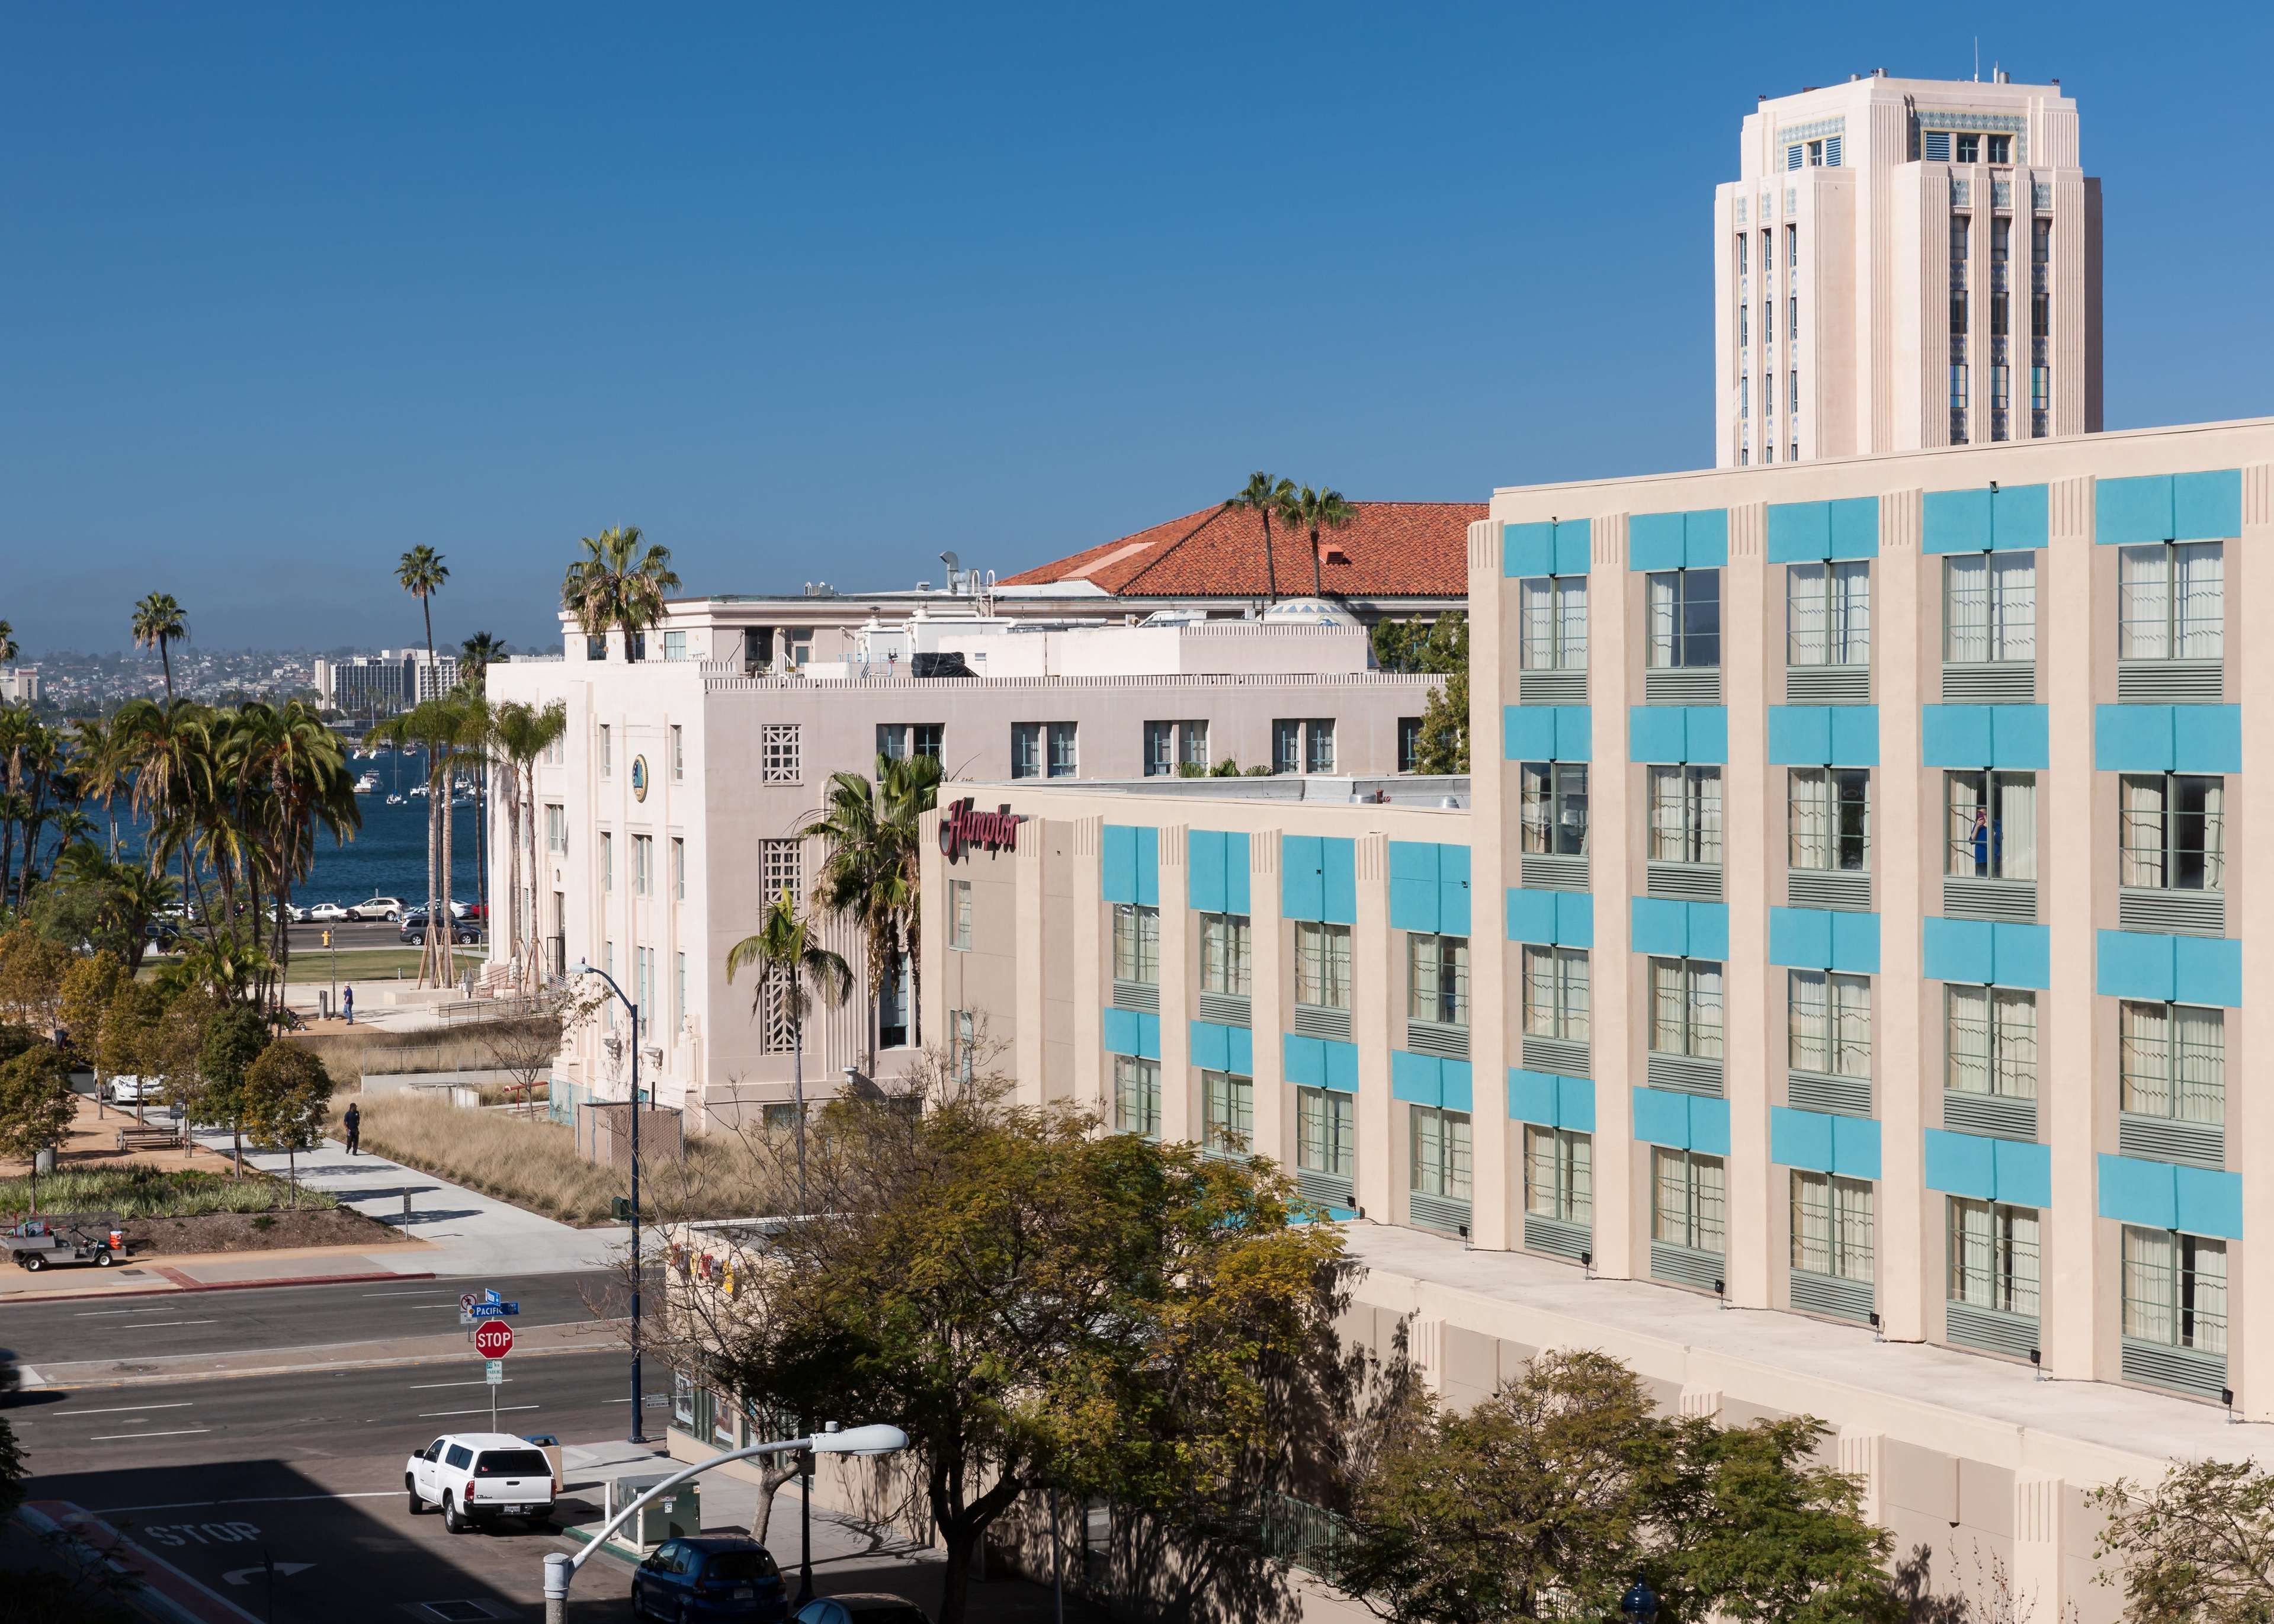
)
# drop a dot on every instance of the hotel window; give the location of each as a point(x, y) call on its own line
point(674, 645)
point(596, 648)
point(678, 754)
point(1559, 1174)
point(1686, 618)
point(1227, 1113)
point(1688, 1193)
point(643, 865)
point(1326, 1132)
point(1828, 614)
point(1993, 819)
point(2173, 831)
point(963, 1050)
point(797, 648)
point(1990, 607)
point(780, 753)
point(1829, 1024)
point(1226, 963)
point(1832, 1226)
point(1994, 1256)
point(1299, 745)
point(1830, 813)
point(556, 829)
point(607, 749)
point(2175, 1290)
point(900, 740)
point(1744, 326)
point(1137, 1096)
point(1409, 744)
point(2001, 149)
point(1555, 998)
point(958, 914)
point(1745, 396)
point(1136, 943)
point(1319, 746)
point(1969, 149)
point(1322, 965)
point(1685, 815)
point(678, 869)
point(1437, 979)
point(679, 987)
point(1171, 746)
point(1685, 1008)
point(1552, 626)
point(2171, 601)
point(607, 860)
point(1043, 749)
point(1745, 256)
point(1441, 1153)
point(2172, 1061)
point(1991, 1042)
point(1792, 246)
point(1792, 392)
point(557, 751)
point(1554, 809)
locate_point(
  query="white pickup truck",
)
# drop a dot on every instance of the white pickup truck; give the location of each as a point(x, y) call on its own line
point(480, 1476)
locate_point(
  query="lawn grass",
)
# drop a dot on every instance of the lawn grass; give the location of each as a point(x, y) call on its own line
point(532, 1162)
point(355, 964)
point(478, 1046)
point(138, 1191)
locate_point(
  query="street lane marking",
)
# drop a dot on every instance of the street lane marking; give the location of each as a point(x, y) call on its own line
point(423, 1386)
point(160, 1325)
point(404, 1294)
point(101, 1313)
point(105, 1438)
point(265, 1499)
point(124, 1410)
point(433, 1415)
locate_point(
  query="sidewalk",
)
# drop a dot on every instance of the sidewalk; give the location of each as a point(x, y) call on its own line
point(205, 1271)
point(441, 1347)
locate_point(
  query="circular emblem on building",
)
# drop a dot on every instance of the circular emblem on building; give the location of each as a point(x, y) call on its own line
point(639, 778)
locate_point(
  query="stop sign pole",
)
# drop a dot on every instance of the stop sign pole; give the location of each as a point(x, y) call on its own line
point(493, 1340)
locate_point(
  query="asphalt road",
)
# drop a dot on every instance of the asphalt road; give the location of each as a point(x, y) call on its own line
point(287, 1317)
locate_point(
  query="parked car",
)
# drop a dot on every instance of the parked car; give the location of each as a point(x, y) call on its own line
point(327, 913)
point(378, 908)
point(133, 1090)
point(713, 1577)
point(863, 1607)
point(414, 928)
point(161, 935)
point(39, 1243)
point(477, 1477)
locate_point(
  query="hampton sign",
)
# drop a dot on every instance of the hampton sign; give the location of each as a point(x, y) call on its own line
point(961, 830)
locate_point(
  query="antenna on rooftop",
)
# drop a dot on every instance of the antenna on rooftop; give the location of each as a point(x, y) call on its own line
point(1978, 58)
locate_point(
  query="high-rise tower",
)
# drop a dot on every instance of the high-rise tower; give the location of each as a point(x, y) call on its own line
point(1905, 263)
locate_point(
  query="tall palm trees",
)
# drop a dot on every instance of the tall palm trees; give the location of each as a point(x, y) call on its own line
point(520, 735)
point(1315, 511)
point(158, 623)
point(796, 967)
point(1267, 498)
point(615, 585)
point(869, 873)
point(421, 573)
point(7, 641)
point(441, 728)
point(476, 656)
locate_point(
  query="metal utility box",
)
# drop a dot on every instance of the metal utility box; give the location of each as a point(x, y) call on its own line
point(676, 1515)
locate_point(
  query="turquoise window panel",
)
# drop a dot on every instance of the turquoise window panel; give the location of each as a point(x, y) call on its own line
point(2138, 964)
point(1800, 532)
point(1681, 1121)
point(1458, 1083)
point(1818, 1142)
point(1558, 547)
point(1855, 528)
point(2206, 738)
point(1222, 1049)
point(1705, 538)
point(2133, 1191)
point(2202, 507)
point(1551, 1102)
point(1976, 736)
point(1697, 540)
point(2022, 516)
point(1575, 732)
point(1681, 930)
point(2207, 506)
point(1678, 733)
point(1854, 735)
point(1958, 949)
point(2022, 956)
point(1547, 732)
point(1131, 1032)
point(1216, 872)
point(1318, 878)
point(2208, 1202)
point(1954, 522)
point(1130, 870)
point(1821, 735)
point(2206, 970)
point(1552, 918)
point(1418, 1080)
point(1319, 1062)
point(2132, 738)
point(1823, 939)
point(1854, 1147)
point(1339, 879)
point(1961, 1164)
point(1413, 900)
point(2023, 1174)
point(1706, 728)
point(1342, 1066)
point(2020, 737)
point(1453, 907)
point(1709, 1126)
point(1709, 929)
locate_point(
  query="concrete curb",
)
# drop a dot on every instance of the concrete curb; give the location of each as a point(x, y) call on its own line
point(218, 1285)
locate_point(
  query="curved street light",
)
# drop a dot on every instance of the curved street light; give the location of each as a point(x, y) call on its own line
point(581, 967)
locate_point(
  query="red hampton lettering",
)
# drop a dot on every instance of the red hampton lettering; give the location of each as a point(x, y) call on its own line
point(961, 828)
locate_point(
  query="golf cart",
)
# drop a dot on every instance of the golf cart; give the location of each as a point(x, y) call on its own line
point(70, 1238)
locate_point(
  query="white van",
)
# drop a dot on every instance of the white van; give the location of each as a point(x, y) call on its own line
point(479, 1477)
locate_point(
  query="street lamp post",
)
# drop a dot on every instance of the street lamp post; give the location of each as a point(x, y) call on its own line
point(583, 968)
point(560, 1567)
point(1640, 1604)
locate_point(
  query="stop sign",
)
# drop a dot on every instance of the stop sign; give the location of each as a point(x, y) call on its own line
point(493, 1339)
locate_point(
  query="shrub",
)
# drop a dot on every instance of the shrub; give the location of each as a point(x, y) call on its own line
point(141, 1191)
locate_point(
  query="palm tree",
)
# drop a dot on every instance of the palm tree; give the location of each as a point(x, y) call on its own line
point(1315, 511)
point(869, 873)
point(7, 641)
point(421, 573)
point(293, 778)
point(795, 966)
point(476, 655)
point(431, 727)
point(520, 735)
point(616, 585)
point(169, 750)
point(1265, 496)
point(158, 622)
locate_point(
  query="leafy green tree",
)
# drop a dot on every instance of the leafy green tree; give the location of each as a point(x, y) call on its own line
point(87, 988)
point(1439, 648)
point(2196, 1548)
point(616, 586)
point(158, 623)
point(32, 971)
point(37, 1106)
point(287, 1097)
point(133, 1035)
point(232, 1041)
point(1266, 499)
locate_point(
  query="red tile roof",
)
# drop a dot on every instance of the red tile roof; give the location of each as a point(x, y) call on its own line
point(1391, 550)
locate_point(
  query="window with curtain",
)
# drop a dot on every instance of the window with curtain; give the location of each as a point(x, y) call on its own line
point(1828, 613)
point(2175, 1289)
point(1136, 943)
point(1322, 965)
point(1437, 979)
point(1685, 815)
point(1687, 1195)
point(2174, 830)
point(1559, 1174)
point(1685, 1008)
point(1992, 819)
point(2171, 601)
point(1683, 610)
point(1441, 1152)
point(1226, 963)
point(1991, 1042)
point(1831, 1225)
point(2172, 1061)
point(1137, 1096)
point(1830, 818)
point(1556, 993)
point(1990, 607)
point(1554, 809)
point(1552, 623)
point(1326, 1131)
point(1227, 1113)
point(1994, 1256)
point(958, 914)
point(1829, 1024)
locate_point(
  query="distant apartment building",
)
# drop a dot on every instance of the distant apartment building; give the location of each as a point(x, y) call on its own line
point(19, 685)
point(1905, 264)
point(384, 683)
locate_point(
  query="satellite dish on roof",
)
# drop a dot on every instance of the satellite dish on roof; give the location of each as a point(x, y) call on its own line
point(1308, 611)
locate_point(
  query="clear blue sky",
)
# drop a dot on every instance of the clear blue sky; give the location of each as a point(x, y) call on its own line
point(820, 292)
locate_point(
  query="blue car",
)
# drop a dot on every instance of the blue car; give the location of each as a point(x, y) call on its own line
point(694, 1580)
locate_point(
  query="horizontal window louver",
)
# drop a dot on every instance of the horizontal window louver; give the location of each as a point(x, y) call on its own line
point(1436, 1037)
point(2002, 682)
point(1827, 1294)
point(1683, 686)
point(1685, 1265)
point(2173, 913)
point(1311, 1021)
point(1226, 1008)
point(1827, 685)
point(1841, 1096)
point(2013, 901)
point(1437, 1212)
point(1552, 688)
point(1327, 1189)
point(2165, 1138)
point(1685, 882)
point(1556, 1237)
point(2001, 1116)
point(2182, 1369)
point(1144, 997)
point(2170, 682)
point(1683, 1075)
point(1543, 871)
point(1560, 1055)
point(1990, 1329)
point(1829, 888)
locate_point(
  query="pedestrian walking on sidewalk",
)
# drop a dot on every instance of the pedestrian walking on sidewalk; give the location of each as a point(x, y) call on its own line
point(347, 1002)
point(353, 1123)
